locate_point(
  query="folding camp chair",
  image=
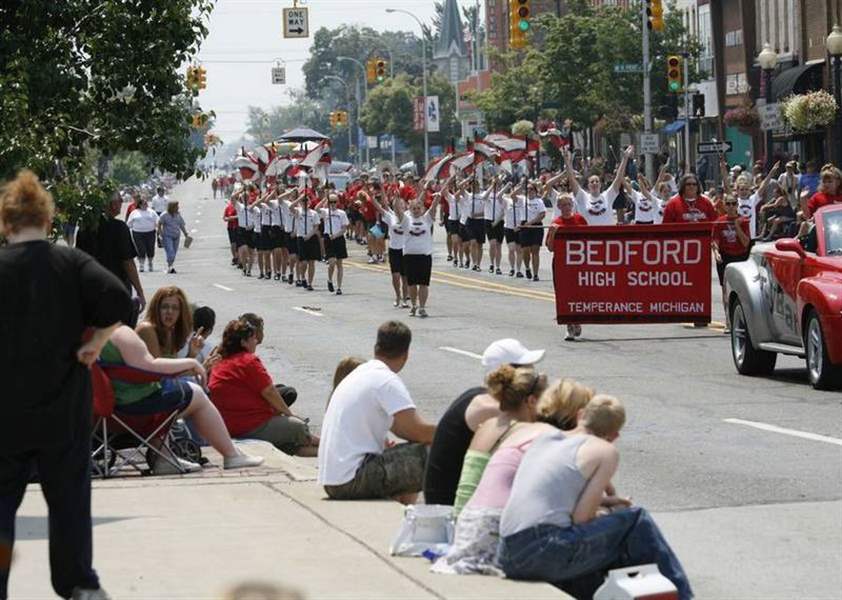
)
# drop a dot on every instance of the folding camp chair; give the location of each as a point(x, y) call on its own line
point(119, 439)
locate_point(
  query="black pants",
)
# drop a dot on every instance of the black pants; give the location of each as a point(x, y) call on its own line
point(65, 475)
point(144, 243)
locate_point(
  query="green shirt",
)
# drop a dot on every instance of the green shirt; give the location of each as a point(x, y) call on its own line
point(126, 393)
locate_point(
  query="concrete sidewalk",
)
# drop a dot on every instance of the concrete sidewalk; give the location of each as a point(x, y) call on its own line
point(198, 535)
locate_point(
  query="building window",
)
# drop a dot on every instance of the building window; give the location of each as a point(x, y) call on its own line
point(734, 38)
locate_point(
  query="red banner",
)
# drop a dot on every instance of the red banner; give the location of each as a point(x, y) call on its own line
point(418, 113)
point(633, 274)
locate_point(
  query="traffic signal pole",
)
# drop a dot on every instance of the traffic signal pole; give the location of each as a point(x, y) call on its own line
point(647, 90)
point(689, 166)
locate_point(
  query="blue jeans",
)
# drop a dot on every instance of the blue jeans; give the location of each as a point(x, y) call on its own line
point(569, 557)
point(171, 248)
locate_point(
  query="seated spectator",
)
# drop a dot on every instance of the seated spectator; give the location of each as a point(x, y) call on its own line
point(197, 345)
point(354, 462)
point(248, 401)
point(457, 426)
point(516, 391)
point(477, 536)
point(168, 324)
point(562, 525)
point(125, 347)
point(287, 392)
point(343, 369)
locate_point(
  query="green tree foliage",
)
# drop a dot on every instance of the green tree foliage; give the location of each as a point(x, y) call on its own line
point(83, 76)
point(129, 168)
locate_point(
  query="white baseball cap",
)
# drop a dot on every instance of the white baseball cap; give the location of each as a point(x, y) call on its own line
point(509, 351)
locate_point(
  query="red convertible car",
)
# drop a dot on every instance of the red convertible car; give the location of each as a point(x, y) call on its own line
point(787, 299)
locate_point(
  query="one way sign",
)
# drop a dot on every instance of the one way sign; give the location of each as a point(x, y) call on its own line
point(296, 22)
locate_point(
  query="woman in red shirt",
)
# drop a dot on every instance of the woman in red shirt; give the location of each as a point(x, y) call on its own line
point(731, 242)
point(248, 400)
point(567, 218)
point(830, 192)
point(689, 206)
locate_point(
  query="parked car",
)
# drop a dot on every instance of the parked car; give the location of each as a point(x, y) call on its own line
point(787, 299)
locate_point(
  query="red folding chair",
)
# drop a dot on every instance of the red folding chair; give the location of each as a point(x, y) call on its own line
point(143, 430)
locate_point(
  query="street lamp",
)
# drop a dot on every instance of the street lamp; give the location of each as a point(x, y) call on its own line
point(348, 101)
point(768, 61)
point(423, 79)
point(834, 48)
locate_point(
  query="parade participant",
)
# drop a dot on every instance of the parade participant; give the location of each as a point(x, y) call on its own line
point(279, 254)
point(46, 413)
point(245, 231)
point(516, 391)
point(748, 200)
point(354, 461)
point(452, 194)
point(369, 218)
point(418, 254)
point(263, 220)
point(553, 527)
point(160, 202)
point(393, 217)
point(335, 223)
point(531, 232)
point(567, 218)
point(291, 240)
point(731, 243)
point(646, 207)
point(494, 210)
point(215, 187)
point(247, 399)
point(475, 199)
point(829, 192)
point(656, 198)
point(477, 534)
point(689, 206)
point(594, 204)
point(515, 209)
point(143, 222)
point(229, 217)
point(463, 417)
point(307, 224)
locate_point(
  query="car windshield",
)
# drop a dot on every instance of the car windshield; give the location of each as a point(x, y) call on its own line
point(833, 232)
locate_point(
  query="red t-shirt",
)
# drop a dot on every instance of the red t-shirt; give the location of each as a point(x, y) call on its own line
point(130, 209)
point(408, 193)
point(820, 199)
point(230, 211)
point(725, 235)
point(576, 220)
point(368, 211)
point(235, 386)
point(678, 210)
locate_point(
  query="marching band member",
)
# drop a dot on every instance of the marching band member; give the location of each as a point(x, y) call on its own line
point(595, 204)
point(335, 222)
point(531, 230)
point(393, 217)
point(307, 226)
point(515, 209)
point(418, 254)
point(494, 210)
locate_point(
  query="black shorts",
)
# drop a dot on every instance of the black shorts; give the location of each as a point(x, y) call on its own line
point(531, 236)
point(292, 244)
point(475, 230)
point(309, 249)
point(727, 260)
point(264, 239)
point(511, 236)
point(453, 227)
point(276, 236)
point(494, 232)
point(396, 261)
point(418, 268)
point(240, 236)
point(232, 235)
point(251, 239)
point(336, 248)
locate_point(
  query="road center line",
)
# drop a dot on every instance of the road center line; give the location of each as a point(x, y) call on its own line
point(793, 432)
point(462, 352)
point(223, 287)
point(311, 312)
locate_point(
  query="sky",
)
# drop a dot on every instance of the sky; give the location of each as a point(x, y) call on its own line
point(252, 30)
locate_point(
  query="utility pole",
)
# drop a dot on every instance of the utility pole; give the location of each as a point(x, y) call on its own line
point(689, 167)
point(647, 90)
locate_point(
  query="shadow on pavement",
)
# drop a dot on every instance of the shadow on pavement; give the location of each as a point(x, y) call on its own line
point(37, 528)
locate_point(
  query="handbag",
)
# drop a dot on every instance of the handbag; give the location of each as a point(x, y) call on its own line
point(188, 241)
point(425, 527)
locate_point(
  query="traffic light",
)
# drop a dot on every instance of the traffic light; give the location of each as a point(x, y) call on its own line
point(332, 119)
point(655, 10)
point(341, 118)
point(520, 12)
point(370, 71)
point(380, 70)
point(201, 78)
point(674, 77)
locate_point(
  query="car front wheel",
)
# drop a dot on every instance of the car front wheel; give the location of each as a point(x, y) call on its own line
point(747, 359)
point(823, 374)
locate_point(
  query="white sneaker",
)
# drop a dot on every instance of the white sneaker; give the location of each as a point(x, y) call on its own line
point(80, 594)
point(164, 467)
point(241, 461)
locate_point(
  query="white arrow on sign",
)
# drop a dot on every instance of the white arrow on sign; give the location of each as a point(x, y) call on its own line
point(296, 22)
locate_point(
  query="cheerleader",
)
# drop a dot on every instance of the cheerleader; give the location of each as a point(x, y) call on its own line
point(334, 223)
point(418, 254)
point(494, 211)
point(264, 241)
point(307, 226)
point(531, 231)
point(397, 237)
point(515, 209)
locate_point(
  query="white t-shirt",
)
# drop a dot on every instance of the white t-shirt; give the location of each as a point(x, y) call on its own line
point(659, 215)
point(243, 218)
point(534, 207)
point(305, 227)
point(334, 219)
point(645, 211)
point(397, 235)
point(515, 211)
point(255, 219)
point(789, 185)
point(596, 209)
point(495, 206)
point(143, 220)
point(159, 203)
point(277, 215)
point(287, 216)
point(453, 208)
point(266, 216)
point(419, 237)
point(475, 204)
point(358, 419)
point(747, 209)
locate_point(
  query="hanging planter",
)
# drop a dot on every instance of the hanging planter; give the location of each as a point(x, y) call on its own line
point(811, 111)
point(523, 128)
point(744, 117)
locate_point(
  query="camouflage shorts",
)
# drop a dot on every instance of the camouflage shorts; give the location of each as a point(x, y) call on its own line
point(399, 470)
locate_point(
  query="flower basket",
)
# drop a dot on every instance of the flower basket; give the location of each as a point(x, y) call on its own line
point(744, 117)
point(807, 112)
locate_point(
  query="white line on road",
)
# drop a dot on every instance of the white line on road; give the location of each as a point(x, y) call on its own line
point(462, 352)
point(793, 432)
point(309, 311)
point(193, 230)
point(197, 221)
point(223, 287)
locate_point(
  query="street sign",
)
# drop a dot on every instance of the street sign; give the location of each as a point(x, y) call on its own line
point(296, 22)
point(770, 117)
point(279, 75)
point(649, 143)
point(628, 68)
point(714, 147)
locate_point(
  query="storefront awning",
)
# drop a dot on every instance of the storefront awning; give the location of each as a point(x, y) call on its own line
point(673, 127)
point(798, 80)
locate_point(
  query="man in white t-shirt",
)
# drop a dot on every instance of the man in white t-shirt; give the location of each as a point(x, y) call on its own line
point(356, 461)
point(160, 201)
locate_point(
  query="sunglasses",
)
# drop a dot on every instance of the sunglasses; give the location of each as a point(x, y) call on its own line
point(730, 204)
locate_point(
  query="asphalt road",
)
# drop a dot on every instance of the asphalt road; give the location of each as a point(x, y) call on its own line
point(679, 454)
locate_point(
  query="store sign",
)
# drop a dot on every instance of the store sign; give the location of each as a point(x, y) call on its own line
point(633, 274)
